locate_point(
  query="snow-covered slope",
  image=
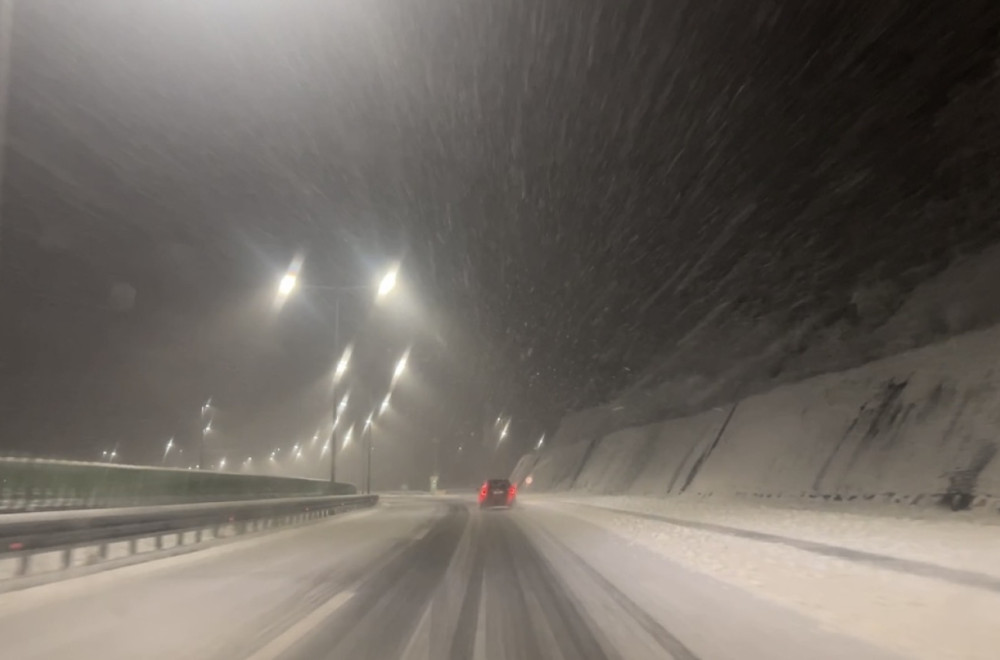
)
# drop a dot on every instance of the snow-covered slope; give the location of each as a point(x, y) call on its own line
point(919, 427)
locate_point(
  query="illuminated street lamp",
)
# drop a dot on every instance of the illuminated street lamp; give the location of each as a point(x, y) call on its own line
point(342, 364)
point(368, 449)
point(222, 463)
point(166, 451)
point(385, 404)
point(400, 366)
point(206, 408)
point(368, 422)
point(349, 435)
point(387, 283)
point(287, 284)
point(290, 280)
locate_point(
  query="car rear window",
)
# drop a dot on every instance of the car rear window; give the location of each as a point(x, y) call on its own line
point(499, 483)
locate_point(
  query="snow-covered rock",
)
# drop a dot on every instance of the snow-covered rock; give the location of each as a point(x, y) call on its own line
point(919, 427)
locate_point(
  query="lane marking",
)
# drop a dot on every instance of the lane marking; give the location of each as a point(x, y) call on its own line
point(420, 638)
point(479, 647)
point(287, 639)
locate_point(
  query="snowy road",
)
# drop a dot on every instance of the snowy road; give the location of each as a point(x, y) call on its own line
point(417, 578)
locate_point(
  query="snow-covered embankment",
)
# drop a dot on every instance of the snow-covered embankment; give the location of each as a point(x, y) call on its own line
point(920, 427)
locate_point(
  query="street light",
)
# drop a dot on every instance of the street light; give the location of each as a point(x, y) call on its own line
point(387, 283)
point(348, 435)
point(287, 284)
point(342, 364)
point(290, 280)
point(222, 463)
point(385, 404)
point(170, 445)
point(400, 366)
point(368, 451)
point(6, 37)
point(541, 442)
point(205, 408)
point(368, 422)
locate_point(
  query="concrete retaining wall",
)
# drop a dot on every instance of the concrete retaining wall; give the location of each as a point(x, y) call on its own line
point(919, 427)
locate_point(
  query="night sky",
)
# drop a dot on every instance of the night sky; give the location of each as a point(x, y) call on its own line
point(588, 201)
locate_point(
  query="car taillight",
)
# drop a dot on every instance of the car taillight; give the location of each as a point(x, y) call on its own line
point(511, 492)
point(482, 492)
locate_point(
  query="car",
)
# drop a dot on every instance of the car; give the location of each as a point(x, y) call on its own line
point(497, 493)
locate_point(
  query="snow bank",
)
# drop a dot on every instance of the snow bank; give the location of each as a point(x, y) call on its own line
point(921, 615)
point(919, 427)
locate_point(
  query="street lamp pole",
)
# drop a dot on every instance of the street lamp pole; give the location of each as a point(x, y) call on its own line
point(6, 50)
point(205, 428)
point(170, 445)
point(288, 284)
point(333, 429)
point(368, 468)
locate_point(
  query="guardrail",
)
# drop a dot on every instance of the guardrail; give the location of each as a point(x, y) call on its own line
point(76, 538)
point(39, 485)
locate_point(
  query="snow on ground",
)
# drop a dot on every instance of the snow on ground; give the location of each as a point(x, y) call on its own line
point(917, 616)
point(963, 541)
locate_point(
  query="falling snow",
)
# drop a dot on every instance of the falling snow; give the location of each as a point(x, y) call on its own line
point(663, 202)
